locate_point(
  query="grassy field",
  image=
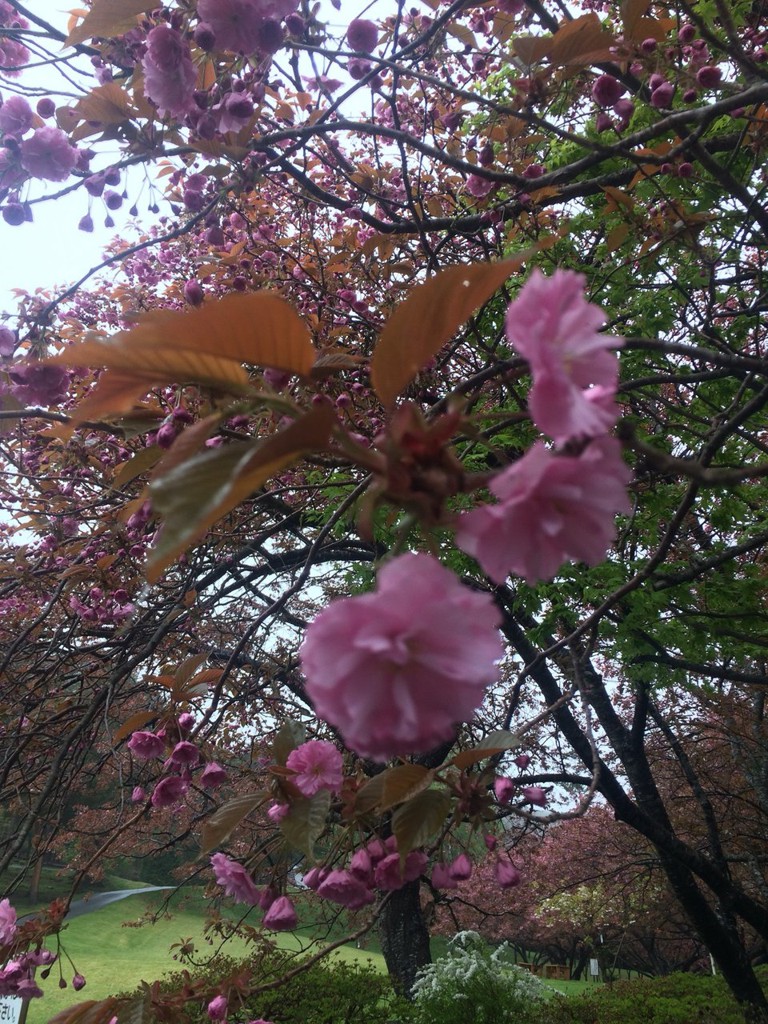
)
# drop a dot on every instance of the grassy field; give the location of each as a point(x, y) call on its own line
point(114, 954)
point(118, 946)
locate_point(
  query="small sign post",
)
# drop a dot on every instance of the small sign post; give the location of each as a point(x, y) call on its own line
point(12, 1010)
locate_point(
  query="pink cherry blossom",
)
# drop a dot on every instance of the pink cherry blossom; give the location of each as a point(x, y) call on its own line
point(39, 384)
point(276, 812)
point(396, 669)
point(535, 795)
point(7, 923)
point(213, 775)
point(146, 745)
point(391, 874)
point(552, 508)
point(503, 788)
point(552, 325)
point(217, 1008)
point(461, 868)
point(362, 35)
point(361, 866)
point(16, 116)
point(342, 887)
point(442, 877)
point(317, 765)
point(234, 879)
point(169, 74)
point(238, 24)
point(48, 154)
point(169, 791)
point(281, 916)
point(185, 753)
point(507, 874)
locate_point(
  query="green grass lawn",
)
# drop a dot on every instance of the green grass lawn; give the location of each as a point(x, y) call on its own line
point(114, 958)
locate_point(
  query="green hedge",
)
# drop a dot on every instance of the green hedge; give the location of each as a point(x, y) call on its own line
point(331, 991)
point(676, 999)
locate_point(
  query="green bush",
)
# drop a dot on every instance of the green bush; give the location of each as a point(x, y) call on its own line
point(331, 991)
point(474, 984)
point(676, 999)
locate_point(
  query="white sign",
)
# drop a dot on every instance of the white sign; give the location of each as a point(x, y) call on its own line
point(594, 968)
point(10, 1009)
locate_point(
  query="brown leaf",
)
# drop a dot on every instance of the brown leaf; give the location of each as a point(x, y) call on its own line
point(616, 237)
point(206, 345)
point(392, 786)
point(222, 822)
point(415, 822)
point(108, 104)
point(108, 18)
point(429, 317)
point(93, 1011)
point(130, 725)
point(579, 41)
point(496, 743)
point(144, 460)
point(203, 489)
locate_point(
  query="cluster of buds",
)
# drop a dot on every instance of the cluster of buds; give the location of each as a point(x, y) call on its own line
point(183, 757)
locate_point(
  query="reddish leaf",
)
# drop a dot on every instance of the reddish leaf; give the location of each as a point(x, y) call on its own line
point(429, 317)
point(108, 18)
point(198, 492)
point(496, 743)
point(392, 786)
point(130, 725)
point(206, 345)
point(91, 1012)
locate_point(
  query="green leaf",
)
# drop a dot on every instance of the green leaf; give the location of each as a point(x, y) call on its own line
point(392, 786)
point(429, 317)
point(415, 822)
point(193, 495)
point(306, 822)
point(289, 736)
point(222, 822)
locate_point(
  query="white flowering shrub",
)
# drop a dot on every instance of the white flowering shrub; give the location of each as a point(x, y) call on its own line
point(475, 984)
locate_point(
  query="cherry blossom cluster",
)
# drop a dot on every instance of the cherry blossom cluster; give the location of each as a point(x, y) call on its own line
point(33, 149)
point(694, 72)
point(556, 505)
point(13, 54)
point(17, 975)
point(183, 757)
point(424, 644)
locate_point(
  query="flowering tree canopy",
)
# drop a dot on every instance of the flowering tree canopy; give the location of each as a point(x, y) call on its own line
point(423, 422)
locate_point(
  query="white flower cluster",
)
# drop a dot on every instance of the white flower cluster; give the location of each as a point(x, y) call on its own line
point(486, 978)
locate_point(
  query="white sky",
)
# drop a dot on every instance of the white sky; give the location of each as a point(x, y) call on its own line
point(51, 251)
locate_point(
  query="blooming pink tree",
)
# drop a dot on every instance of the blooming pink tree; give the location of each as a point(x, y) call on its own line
point(408, 438)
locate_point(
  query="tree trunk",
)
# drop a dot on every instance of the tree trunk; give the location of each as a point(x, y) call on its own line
point(404, 937)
